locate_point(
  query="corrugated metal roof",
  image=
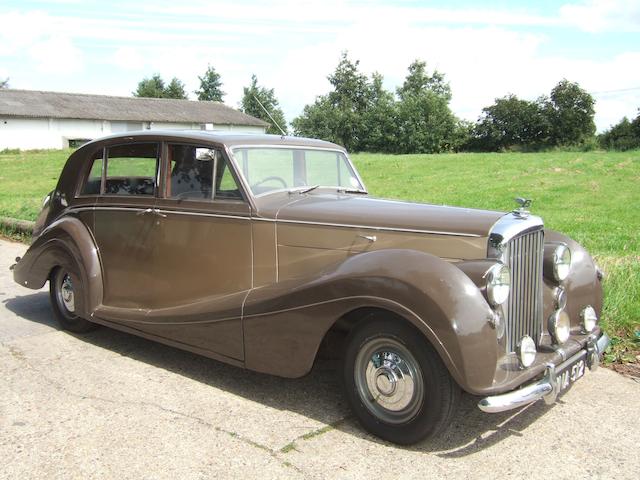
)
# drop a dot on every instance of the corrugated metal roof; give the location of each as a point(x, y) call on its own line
point(39, 104)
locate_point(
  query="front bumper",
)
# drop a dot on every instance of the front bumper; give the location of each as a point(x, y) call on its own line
point(548, 387)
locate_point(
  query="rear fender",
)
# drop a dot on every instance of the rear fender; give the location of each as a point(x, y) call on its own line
point(64, 243)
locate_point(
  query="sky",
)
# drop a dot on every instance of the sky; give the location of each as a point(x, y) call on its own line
point(486, 49)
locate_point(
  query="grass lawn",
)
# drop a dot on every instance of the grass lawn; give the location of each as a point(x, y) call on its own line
point(593, 197)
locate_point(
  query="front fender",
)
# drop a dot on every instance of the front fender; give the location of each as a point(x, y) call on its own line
point(284, 323)
point(66, 242)
point(583, 286)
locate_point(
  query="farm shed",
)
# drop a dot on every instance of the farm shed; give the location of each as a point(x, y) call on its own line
point(35, 119)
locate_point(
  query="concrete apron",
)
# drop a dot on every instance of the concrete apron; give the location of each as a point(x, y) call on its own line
point(110, 405)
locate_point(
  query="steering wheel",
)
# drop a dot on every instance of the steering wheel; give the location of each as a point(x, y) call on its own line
point(276, 178)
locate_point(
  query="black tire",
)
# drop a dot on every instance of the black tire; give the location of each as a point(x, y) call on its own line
point(66, 294)
point(416, 396)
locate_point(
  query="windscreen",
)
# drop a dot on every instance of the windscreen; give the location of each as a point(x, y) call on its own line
point(273, 169)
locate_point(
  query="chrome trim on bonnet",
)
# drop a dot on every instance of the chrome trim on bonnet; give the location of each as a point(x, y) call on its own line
point(508, 227)
point(547, 387)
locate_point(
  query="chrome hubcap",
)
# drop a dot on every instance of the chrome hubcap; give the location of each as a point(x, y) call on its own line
point(66, 294)
point(389, 380)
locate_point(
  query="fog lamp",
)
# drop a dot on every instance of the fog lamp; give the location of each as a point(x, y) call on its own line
point(588, 319)
point(526, 351)
point(560, 326)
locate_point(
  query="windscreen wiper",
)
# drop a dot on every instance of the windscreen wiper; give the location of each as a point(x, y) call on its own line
point(303, 189)
point(353, 190)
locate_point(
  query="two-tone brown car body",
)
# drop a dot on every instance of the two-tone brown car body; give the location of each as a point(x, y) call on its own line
point(253, 249)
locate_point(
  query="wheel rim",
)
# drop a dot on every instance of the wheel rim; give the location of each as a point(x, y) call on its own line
point(65, 293)
point(389, 380)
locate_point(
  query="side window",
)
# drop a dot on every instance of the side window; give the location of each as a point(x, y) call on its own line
point(194, 171)
point(94, 179)
point(131, 169)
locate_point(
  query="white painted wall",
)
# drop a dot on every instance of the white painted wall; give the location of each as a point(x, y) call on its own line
point(31, 133)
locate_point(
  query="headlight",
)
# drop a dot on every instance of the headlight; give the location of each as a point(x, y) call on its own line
point(560, 327)
point(588, 319)
point(561, 262)
point(498, 284)
point(526, 351)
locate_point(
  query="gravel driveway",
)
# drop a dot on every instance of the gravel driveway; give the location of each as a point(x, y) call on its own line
point(111, 405)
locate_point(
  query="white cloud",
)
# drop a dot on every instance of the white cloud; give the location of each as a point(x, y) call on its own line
point(128, 58)
point(603, 15)
point(293, 46)
point(36, 37)
point(57, 55)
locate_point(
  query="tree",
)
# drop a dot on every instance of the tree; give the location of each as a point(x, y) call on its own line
point(175, 89)
point(425, 121)
point(511, 122)
point(361, 115)
point(210, 86)
point(338, 116)
point(4, 83)
point(570, 112)
point(155, 87)
point(379, 118)
point(151, 87)
point(418, 80)
point(254, 95)
point(625, 135)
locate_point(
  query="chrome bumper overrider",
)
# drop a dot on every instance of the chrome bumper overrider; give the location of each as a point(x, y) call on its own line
point(547, 387)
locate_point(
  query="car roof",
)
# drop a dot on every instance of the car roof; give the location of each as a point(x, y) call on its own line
point(228, 139)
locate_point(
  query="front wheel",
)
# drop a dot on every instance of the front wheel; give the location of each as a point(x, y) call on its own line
point(396, 384)
point(65, 292)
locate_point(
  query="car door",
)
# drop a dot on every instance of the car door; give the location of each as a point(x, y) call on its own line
point(202, 267)
point(124, 225)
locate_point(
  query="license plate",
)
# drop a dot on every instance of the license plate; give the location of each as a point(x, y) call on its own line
point(571, 374)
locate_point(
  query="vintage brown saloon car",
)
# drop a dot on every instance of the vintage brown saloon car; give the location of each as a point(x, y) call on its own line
point(252, 250)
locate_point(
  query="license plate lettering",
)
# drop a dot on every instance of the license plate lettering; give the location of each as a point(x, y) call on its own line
point(571, 374)
point(577, 371)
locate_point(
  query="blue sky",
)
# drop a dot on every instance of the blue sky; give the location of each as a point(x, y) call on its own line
point(486, 49)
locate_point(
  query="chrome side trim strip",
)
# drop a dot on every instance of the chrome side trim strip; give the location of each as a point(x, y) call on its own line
point(161, 210)
point(295, 222)
point(370, 227)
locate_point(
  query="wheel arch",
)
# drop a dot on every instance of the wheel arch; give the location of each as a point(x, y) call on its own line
point(65, 243)
point(285, 324)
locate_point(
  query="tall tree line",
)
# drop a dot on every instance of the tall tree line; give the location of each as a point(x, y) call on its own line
point(360, 114)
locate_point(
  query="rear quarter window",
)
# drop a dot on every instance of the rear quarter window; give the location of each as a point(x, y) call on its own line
point(132, 169)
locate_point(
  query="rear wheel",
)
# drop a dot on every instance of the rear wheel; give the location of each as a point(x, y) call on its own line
point(396, 384)
point(65, 291)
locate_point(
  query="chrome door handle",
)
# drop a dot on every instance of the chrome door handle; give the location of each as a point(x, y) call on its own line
point(158, 213)
point(370, 238)
point(146, 210)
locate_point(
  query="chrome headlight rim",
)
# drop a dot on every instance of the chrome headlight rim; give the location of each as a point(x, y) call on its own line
point(560, 327)
point(588, 319)
point(498, 285)
point(561, 262)
point(526, 351)
point(559, 298)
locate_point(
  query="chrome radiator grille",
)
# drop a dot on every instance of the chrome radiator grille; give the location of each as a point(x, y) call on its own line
point(523, 310)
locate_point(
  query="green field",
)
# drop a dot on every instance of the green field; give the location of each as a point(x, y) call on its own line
point(593, 197)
